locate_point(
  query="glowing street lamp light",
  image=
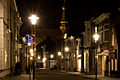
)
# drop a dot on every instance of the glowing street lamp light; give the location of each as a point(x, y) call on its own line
point(38, 57)
point(51, 56)
point(96, 37)
point(44, 59)
point(29, 44)
point(35, 49)
point(66, 49)
point(59, 53)
point(31, 50)
point(33, 19)
point(31, 58)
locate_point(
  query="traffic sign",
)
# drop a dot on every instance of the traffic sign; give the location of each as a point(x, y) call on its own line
point(30, 38)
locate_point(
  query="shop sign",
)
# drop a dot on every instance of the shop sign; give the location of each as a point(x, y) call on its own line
point(106, 52)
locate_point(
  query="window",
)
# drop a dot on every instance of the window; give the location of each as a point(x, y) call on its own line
point(101, 37)
point(115, 64)
point(112, 39)
point(106, 20)
point(106, 27)
point(112, 64)
point(106, 35)
point(95, 29)
point(88, 29)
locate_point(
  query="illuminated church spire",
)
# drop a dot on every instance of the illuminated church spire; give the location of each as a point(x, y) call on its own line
point(63, 21)
point(63, 11)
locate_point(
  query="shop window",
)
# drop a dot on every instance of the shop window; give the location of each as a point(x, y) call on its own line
point(112, 39)
point(115, 64)
point(115, 54)
point(112, 64)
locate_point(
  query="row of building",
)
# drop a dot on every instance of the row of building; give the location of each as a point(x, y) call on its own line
point(84, 55)
point(10, 23)
point(84, 52)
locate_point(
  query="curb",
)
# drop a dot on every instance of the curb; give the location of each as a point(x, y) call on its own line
point(78, 75)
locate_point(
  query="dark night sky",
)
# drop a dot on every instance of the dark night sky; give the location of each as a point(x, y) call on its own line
point(49, 11)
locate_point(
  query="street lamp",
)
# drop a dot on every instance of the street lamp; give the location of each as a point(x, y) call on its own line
point(31, 50)
point(33, 19)
point(38, 57)
point(29, 44)
point(59, 53)
point(96, 38)
point(44, 59)
point(66, 49)
point(51, 56)
point(31, 58)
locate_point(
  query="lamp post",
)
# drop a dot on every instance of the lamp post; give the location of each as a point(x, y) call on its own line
point(29, 61)
point(51, 56)
point(59, 60)
point(96, 38)
point(59, 53)
point(33, 19)
point(39, 57)
point(63, 52)
point(67, 50)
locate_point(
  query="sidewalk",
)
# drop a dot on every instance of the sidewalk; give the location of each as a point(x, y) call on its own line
point(100, 77)
point(18, 77)
point(23, 76)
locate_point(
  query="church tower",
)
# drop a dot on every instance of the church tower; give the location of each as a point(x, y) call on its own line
point(63, 22)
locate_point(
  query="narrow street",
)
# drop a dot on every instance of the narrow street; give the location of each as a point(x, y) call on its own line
point(59, 39)
point(55, 75)
point(41, 74)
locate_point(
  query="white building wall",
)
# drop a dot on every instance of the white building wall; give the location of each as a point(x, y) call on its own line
point(9, 20)
point(4, 37)
point(2, 67)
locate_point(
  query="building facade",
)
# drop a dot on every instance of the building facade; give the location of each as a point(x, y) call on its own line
point(89, 53)
point(10, 23)
point(73, 57)
point(46, 49)
point(78, 54)
point(106, 47)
